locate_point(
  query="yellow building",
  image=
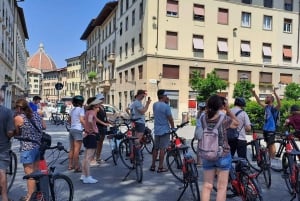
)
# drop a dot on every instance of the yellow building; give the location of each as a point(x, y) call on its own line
point(159, 43)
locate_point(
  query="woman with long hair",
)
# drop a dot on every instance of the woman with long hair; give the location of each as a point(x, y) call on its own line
point(28, 125)
point(222, 165)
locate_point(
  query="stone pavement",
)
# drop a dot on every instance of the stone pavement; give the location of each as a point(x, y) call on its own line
point(155, 186)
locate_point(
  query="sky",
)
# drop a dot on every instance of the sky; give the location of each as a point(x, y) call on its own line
point(59, 24)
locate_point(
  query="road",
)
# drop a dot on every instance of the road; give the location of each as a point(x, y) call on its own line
point(155, 186)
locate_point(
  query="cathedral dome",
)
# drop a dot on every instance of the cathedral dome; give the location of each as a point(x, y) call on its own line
point(41, 60)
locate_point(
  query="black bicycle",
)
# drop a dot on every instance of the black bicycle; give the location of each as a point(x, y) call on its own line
point(51, 186)
point(11, 170)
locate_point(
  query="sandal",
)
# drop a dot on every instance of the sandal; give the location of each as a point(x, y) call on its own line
point(160, 170)
point(77, 170)
point(70, 168)
point(152, 168)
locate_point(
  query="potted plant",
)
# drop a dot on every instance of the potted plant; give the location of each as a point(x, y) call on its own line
point(92, 75)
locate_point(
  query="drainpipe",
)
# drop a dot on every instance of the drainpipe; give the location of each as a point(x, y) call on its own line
point(157, 19)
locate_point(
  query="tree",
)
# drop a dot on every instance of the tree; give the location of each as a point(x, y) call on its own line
point(243, 89)
point(292, 91)
point(208, 86)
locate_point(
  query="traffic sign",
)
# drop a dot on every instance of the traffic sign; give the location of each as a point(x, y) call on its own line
point(59, 86)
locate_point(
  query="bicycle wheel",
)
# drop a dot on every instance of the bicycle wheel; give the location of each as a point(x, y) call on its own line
point(148, 143)
point(252, 156)
point(11, 170)
point(124, 152)
point(266, 170)
point(139, 172)
point(286, 173)
point(174, 164)
point(38, 196)
point(280, 148)
point(115, 154)
point(253, 192)
point(63, 189)
point(195, 190)
point(194, 145)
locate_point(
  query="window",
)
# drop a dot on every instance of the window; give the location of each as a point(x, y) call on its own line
point(126, 76)
point(140, 41)
point(170, 71)
point(246, 19)
point(199, 13)
point(141, 10)
point(223, 74)
point(126, 50)
point(132, 46)
point(268, 3)
point(198, 47)
point(288, 5)
point(121, 26)
point(222, 45)
point(266, 51)
point(133, 18)
point(247, 1)
point(132, 74)
point(223, 16)
point(287, 25)
point(140, 72)
point(245, 49)
point(265, 78)
point(267, 22)
point(120, 52)
point(126, 23)
point(287, 53)
point(285, 79)
point(244, 74)
point(172, 8)
point(127, 4)
point(121, 7)
point(171, 40)
point(201, 71)
point(120, 77)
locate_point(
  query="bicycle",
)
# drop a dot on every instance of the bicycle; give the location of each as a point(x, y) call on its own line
point(285, 139)
point(261, 157)
point(173, 157)
point(131, 156)
point(11, 169)
point(59, 118)
point(242, 182)
point(49, 184)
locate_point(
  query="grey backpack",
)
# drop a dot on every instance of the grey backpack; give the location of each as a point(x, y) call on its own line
point(209, 145)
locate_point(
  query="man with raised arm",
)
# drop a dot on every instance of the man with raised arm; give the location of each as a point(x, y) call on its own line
point(271, 113)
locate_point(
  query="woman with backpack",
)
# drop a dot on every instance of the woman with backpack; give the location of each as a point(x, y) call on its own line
point(215, 118)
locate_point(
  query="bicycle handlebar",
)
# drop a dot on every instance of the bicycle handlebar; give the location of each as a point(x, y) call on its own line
point(59, 147)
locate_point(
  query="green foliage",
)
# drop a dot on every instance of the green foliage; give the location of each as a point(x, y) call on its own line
point(208, 86)
point(243, 89)
point(193, 121)
point(292, 91)
point(92, 75)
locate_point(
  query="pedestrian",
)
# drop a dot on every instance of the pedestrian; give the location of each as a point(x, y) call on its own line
point(128, 110)
point(269, 127)
point(89, 139)
point(102, 124)
point(222, 165)
point(76, 119)
point(6, 132)
point(294, 120)
point(198, 129)
point(34, 104)
point(138, 113)
point(240, 145)
point(163, 121)
point(28, 125)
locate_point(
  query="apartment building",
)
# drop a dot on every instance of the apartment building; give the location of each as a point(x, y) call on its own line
point(13, 52)
point(158, 44)
point(73, 76)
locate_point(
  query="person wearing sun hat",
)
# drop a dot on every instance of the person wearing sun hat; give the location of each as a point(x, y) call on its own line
point(89, 139)
point(138, 111)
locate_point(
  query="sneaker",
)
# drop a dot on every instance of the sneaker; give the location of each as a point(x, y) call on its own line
point(94, 163)
point(100, 160)
point(89, 180)
point(82, 177)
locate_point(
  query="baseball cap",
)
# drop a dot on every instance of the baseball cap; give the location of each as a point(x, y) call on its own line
point(162, 92)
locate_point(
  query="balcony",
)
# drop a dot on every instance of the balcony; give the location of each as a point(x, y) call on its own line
point(105, 84)
point(111, 58)
point(100, 65)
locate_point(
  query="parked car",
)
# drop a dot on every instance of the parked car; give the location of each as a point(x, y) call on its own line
point(113, 112)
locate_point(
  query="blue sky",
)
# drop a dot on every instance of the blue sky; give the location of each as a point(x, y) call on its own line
point(59, 24)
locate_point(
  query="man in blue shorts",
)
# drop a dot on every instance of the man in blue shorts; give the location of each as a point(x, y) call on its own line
point(6, 131)
point(163, 121)
point(269, 127)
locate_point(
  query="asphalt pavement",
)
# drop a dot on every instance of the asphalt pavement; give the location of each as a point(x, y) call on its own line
point(155, 186)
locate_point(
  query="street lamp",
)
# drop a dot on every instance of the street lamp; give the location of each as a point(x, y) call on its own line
point(243, 79)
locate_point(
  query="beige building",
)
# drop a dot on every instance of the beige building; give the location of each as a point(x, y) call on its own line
point(159, 43)
point(73, 76)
